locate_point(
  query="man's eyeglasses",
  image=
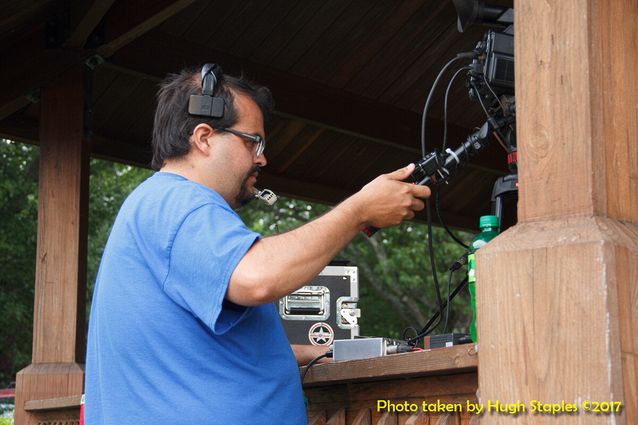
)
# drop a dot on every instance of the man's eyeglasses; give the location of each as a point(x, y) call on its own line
point(260, 142)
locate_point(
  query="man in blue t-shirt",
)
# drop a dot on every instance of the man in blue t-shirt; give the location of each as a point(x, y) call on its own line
point(183, 328)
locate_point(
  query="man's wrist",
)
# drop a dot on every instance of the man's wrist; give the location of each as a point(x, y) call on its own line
point(354, 210)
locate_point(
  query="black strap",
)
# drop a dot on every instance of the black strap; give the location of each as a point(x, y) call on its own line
point(210, 75)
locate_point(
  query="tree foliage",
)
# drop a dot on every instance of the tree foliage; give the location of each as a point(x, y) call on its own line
point(18, 231)
point(110, 183)
point(395, 281)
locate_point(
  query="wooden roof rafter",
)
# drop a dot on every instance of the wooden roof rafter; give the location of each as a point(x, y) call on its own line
point(31, 64)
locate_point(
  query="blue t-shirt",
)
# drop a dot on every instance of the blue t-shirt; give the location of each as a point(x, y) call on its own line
point(164, 346)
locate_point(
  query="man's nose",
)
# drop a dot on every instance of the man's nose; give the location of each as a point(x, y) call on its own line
point(261, 160)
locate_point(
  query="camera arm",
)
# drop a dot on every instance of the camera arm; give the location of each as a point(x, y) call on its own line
point(437, 167)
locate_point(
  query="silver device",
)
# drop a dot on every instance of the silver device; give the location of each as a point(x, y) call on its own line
point(266, 195)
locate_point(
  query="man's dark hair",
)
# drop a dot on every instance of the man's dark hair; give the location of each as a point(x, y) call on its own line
point(173, 124)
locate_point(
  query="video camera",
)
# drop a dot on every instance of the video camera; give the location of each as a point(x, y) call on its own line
point(491, 82)
point(491, 77)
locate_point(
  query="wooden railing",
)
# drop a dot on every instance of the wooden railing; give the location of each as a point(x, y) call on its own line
point(355, 392)
point(379, 391)
point(55, 411)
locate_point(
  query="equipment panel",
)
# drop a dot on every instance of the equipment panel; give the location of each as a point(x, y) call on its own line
point(324, 310)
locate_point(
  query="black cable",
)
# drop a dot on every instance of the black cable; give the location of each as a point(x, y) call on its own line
point(447, 92)
point(436, 197)
point(460, 262)
point(489, 117)
point(478, 96)
point(494, 93)
point(406, 330)
point(427, 328)
point(465, 55)
point(313, 361)
point(447, 229)
point(447, 308)
point(432, 261)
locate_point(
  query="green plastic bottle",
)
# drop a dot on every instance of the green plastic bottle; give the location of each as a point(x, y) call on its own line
point(489, 230)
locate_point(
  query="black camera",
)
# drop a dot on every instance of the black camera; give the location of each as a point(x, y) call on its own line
point(491, 82)
point(491, 76)
point(496, 62)
point(492, 72)
point(477, 12)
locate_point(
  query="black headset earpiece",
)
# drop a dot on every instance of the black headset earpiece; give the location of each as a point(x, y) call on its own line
point(205, 105)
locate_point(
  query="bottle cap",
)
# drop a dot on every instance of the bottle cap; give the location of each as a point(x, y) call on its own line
point(488, 221)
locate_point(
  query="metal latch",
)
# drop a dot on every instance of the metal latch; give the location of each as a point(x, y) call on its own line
point(347, 312)
point(307, 303)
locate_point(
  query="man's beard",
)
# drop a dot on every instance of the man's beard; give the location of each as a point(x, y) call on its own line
point(246, 195)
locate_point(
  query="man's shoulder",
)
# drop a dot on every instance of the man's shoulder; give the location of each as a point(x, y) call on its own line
point(164, 201)
point(166, 190)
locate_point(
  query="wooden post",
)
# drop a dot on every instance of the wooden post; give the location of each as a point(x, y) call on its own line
point(557, 295)
point(60, 286)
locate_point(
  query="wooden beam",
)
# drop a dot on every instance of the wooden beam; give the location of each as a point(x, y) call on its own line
point(62, 221)
point(318, 418)
point(300, 149)
point(24, 129)
point(557, 294)
point(17, 13)
point(120, 151)
point(129, 20)
point(13, 106)
point(56, 403)
point(338, 418)
point(388, 418)
point(20, 129)
point(28, 65)
point(60, 286)
point(85, 16)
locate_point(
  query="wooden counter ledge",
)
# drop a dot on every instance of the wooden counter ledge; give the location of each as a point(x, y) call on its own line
point(439, 361)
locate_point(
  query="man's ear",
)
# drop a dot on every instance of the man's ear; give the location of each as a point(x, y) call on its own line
point(201, 138)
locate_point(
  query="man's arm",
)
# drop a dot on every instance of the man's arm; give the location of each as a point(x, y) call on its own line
point(305, 353)
point(278, 265)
